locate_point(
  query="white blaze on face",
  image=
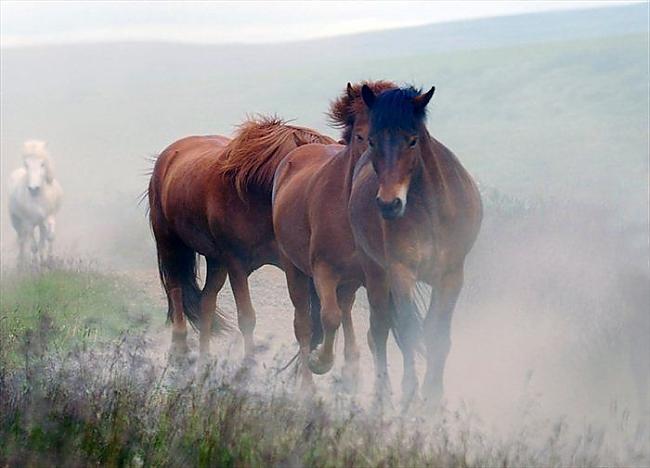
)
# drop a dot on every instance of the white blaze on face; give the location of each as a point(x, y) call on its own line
point(402, 190)
point(35, 172)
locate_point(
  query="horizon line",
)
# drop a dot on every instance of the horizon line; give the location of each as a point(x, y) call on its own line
point(129, 35)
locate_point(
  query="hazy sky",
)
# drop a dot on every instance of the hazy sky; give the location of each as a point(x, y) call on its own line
point(30, 22)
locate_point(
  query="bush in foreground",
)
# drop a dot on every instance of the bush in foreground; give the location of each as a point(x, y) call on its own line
point(108, 402)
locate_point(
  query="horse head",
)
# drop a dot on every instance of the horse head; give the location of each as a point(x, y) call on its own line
point(396, 122)
point(349, 113)
point(37, 165)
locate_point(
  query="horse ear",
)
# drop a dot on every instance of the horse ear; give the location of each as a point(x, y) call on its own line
point(368, 96)
point(421, 101)
point(350, 91)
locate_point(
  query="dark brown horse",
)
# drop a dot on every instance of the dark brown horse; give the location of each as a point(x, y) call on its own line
point(415, 214)
point(310, 204)
point(211, 196)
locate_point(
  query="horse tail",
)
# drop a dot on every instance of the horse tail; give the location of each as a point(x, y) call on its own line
point(181, 271)
point(314, 311)
point(177, 265)
point(407, 322)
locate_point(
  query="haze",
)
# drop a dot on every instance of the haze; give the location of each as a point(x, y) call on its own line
point(31, 23)
point(549, 110)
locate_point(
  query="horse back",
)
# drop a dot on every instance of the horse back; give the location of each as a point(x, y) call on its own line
point(185, 165)
point(180, 187)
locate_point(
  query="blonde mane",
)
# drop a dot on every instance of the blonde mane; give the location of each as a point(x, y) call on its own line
point(38, 149)
point(259, 145)
point(35, 149)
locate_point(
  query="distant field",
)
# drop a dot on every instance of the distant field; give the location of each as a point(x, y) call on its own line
point(554, 115)
point(549, 359)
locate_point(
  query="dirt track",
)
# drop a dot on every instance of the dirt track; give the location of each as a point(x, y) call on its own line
point(274, 330)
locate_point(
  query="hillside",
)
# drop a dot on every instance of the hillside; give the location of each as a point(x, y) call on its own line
point(551, 105)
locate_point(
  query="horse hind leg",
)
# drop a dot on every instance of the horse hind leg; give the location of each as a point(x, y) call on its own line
point(215, 278)
point(299, 292)
point(238, 277)
point(437, 329)
point(351, 375)
point(176, 263)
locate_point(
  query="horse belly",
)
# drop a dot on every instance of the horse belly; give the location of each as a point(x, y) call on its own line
point(291, 225)
point(248, 229)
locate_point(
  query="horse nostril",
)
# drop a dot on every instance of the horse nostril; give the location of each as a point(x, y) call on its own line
point(396, 204)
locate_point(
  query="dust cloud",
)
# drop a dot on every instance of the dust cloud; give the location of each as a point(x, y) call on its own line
point(552, 323)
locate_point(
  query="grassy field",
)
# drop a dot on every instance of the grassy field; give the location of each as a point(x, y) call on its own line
point(78, 388)
point(549, 112)
point(73, 306)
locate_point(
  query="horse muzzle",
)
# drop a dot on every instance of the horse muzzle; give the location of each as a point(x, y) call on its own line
point(392, 209)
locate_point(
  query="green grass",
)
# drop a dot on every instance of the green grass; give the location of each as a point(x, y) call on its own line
point(76, 390)
point(79, 306)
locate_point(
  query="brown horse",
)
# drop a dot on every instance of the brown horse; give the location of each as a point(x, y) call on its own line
point(211, 196)
point(415, 214)
point(310, 204)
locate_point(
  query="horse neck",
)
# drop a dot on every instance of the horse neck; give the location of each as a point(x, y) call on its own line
point(352, 155)
point(437, 171)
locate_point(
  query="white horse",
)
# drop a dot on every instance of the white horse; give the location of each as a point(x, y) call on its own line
point(34, 198)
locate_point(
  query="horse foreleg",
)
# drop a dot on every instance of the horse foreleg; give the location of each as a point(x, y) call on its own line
point(326, 282)
point(51, 234)
point(298, 285)
point(402, 287)
point(33, 247)
point(437, 329)
point(351, 375)
point(245, 312)
point(42, 241)
point(22, 241)
point(215, 278)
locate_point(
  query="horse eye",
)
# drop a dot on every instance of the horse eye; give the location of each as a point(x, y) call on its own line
point(413, 142)
point(371, 143)
point(359, 137)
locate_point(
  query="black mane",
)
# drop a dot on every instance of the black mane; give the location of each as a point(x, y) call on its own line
point(394, 108)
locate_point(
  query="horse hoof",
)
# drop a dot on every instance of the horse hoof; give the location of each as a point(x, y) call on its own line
point(317, 364)
point(411, 404)
point(179, 355)
point(249, 361)
point(382, 404)
point(351, 378)
point(205, 360)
